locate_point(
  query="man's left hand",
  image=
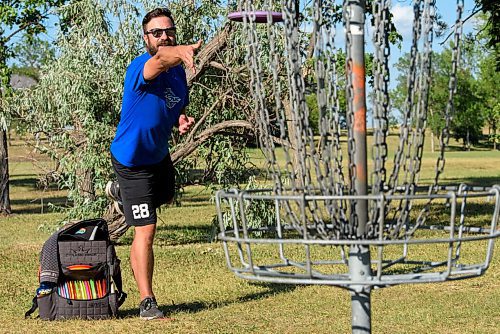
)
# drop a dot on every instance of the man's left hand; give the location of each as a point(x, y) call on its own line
point(185, 123)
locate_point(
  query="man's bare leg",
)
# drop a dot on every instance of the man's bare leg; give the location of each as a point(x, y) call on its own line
point(142, 259)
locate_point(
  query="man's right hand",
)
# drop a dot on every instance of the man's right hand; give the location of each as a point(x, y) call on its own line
point(186, 54)
point(170, 56)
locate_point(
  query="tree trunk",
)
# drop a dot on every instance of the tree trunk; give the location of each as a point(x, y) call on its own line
point(85, 184)
point(292, 138)
point(468, 141)
point(495, 138)
point(432, 132)
point(4, 174)
point(432, 142)
point(116, 223)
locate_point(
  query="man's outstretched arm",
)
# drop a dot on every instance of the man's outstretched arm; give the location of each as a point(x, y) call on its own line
point(170, 56)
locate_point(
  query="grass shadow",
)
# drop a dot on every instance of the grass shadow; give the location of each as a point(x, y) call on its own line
point(194, 307)
point(486, 181)
point(174, 235)
point(27, 180)
point(186, 202)
point(34, 206)
point(186, 228)
point(190, 200)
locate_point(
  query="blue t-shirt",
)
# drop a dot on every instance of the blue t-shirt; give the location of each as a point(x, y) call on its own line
point(149, 111)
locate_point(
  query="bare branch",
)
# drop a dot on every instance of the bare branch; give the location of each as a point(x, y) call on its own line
point(207, 112)
point(283, 142)
point(217, 65)
point(42, 16)
point(191, 146)
point(224, 68)
point(207, 53)
point(465, 20)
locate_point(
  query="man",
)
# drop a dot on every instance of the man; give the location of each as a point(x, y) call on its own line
point(154, 100)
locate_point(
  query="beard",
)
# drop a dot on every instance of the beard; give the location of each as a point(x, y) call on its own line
point(153, 49)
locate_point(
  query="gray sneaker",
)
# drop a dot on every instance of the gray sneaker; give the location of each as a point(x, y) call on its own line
point(112, 190)
point(148, 309)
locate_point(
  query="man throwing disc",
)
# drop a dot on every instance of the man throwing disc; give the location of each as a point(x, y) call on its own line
point(154, 100)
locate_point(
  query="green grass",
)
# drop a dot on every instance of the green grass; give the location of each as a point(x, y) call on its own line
point(476, 167)
point(196, 289)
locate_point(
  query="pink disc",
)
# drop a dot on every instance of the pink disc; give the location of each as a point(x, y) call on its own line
point(257, 16)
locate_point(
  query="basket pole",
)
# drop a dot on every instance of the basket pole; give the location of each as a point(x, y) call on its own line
point(359, 255)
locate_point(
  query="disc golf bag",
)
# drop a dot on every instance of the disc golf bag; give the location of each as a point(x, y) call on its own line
point(79, 274)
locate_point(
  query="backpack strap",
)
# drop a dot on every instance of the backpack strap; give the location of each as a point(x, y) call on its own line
point(117, 278)
point(34, 306)
point(116, 274)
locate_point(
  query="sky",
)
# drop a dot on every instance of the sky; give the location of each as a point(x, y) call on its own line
point(403, 16)
point(402, 11)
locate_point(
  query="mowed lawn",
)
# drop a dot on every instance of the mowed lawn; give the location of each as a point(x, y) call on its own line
point(200, 295)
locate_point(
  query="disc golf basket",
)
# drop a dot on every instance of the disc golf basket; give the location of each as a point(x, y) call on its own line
point(347, 222)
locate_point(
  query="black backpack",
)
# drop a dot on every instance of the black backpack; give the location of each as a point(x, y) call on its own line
point(82, 265)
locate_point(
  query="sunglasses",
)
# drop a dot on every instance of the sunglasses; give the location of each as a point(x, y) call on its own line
point(157, 33)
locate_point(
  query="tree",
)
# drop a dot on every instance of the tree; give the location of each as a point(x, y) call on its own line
point(488, 77)
point(480, 78)
point(438, 95)
point(492, 117)
point(491, 26)
point(489, 12)
point(32, 53)
point(75, 107)
point(468, 120)
point(28, 17)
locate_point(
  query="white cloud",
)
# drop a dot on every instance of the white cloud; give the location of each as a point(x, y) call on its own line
point(403, 19)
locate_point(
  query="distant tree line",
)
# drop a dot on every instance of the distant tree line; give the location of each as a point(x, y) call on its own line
point(73, 110)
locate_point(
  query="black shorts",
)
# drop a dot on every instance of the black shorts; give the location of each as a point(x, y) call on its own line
point(144, 188)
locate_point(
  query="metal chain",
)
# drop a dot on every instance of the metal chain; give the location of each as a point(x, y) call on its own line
point(295, 86)
point(452, 86)
point(322, 162)
point(418, 117)
point(257, 74)
point(398, 212)
point(274, 56)
point(381, 105)
point(420, 113)
point(329, 125)
point(308, 150)
point(329, 167)
point(317, 167)
point(450, 110)
point(403, 137)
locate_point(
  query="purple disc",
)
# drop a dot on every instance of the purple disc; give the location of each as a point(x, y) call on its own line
point(260, 16)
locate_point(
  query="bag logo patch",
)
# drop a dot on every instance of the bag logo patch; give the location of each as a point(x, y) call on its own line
point(81, 231)
point(81, 251)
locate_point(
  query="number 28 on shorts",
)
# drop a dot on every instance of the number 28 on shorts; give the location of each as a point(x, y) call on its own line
point(140, 211)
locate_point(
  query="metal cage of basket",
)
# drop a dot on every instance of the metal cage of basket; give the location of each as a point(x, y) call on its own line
point(376, 226)
point(301, 258)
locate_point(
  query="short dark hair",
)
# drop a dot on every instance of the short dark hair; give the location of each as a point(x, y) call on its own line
point(157, 12)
